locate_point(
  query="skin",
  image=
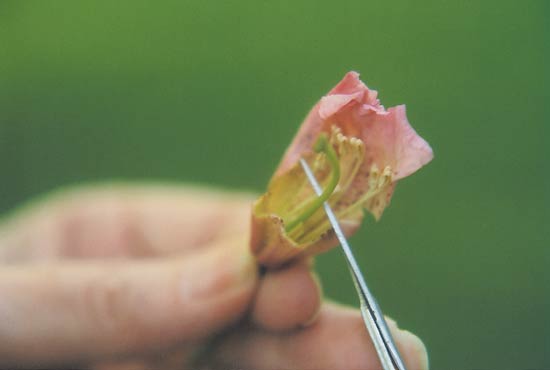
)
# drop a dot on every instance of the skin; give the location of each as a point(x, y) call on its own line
point(148, 277)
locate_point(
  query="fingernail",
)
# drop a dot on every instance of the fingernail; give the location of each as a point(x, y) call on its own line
point(312, 320)
point(218, 272)
point(415, 350)
point(247, 267)
point(315, 314)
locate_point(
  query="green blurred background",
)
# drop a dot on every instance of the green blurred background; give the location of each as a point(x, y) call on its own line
point(212, 92)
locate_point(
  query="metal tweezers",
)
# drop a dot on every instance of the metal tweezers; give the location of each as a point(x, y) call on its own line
point(372, 315)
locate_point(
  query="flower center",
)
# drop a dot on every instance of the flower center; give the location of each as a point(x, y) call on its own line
point(322, 145)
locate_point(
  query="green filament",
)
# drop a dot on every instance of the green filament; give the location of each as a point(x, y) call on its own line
point(322, 145)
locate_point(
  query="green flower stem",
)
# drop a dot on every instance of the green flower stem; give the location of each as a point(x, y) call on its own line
point(322, 145)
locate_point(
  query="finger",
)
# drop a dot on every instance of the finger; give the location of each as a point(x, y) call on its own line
point(123, 221)
point(78, 312)
point(173, 359)
point(287, 298)
point(338, 340)
point(122, 365)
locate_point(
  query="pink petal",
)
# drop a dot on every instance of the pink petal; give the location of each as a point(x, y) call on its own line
point(348, 95)
point(355, 89)
point(390, 140)
point(349, 84)
point(332, 104)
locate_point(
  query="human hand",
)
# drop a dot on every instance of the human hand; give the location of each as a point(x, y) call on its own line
point(161, 277)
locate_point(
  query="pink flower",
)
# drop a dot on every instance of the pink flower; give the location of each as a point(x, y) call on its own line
point(367, 147)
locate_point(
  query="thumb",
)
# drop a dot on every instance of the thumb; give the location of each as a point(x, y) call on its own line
point(73, 311)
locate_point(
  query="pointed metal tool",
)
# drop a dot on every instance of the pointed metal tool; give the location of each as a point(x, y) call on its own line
point(372, 315)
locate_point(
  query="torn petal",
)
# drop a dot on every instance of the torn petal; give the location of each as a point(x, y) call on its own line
point(390, 140)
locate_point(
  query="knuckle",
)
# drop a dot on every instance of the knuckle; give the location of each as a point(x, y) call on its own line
point(99, 226)
point(108, 305)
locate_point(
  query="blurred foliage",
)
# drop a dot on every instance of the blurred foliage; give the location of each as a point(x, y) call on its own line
point(212, 92)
